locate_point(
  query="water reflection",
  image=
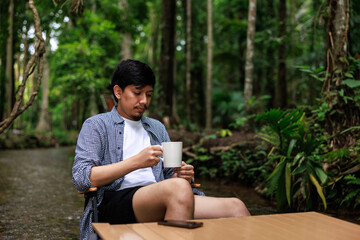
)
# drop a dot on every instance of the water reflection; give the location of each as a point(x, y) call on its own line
point(38, 200)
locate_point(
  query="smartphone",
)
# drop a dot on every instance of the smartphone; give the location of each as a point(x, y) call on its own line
point(183, 224)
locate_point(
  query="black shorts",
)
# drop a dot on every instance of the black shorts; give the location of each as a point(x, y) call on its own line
point(117, 208)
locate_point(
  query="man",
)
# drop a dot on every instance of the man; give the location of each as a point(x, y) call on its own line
point(119, 151)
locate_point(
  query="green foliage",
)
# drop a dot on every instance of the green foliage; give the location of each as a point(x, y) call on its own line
point(227, 106)
point(353, 197)
point(352, 81)
point(247, 112)
point(80, 68)
point(225, 132)
point(239, 164)
point(297, 154)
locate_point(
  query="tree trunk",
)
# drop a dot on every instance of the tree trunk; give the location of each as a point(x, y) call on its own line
point(92, 98)
point(270, 57)
point(166, 74)
point(126, 41)
point(198, 72)
point(345, 113)
point(152, 57)
point(312, 90)
point(44, 119)
point(338, 25)
point(280, 88)
point(249, 65)
point(209, 66)
point(188, 60)
point(9, 86)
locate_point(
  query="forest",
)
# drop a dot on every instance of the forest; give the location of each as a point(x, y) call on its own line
point(263, 93)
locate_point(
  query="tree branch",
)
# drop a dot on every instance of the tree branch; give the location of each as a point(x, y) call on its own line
point(36, 59)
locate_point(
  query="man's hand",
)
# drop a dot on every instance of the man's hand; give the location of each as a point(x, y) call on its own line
point(186, 171)
point(105, 174)
point(149, 157)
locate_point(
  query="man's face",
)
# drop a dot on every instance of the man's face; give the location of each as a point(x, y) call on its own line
point(133, 100)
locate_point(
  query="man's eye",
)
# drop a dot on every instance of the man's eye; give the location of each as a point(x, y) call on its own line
point(137, 93)
point(149, 95)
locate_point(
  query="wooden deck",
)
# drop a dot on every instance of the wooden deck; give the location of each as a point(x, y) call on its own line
point(304, 226)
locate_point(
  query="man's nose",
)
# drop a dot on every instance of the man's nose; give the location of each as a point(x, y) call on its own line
point(143, 98)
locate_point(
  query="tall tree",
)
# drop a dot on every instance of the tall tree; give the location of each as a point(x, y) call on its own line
point(209, 66)
point(337, 41)
point(198, 56)
point(166, 71)
point(270, 56)
point(44, 119)
point(9, 89)
point(126, 35)
point(249, 65)
point(153, 39)
point(281, 81)
point(188, 59)
point(340, 97)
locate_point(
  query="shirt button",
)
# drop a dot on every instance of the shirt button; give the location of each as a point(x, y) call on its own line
point(118, 147)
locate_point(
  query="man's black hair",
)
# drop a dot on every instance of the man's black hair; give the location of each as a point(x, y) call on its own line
point(132, 72)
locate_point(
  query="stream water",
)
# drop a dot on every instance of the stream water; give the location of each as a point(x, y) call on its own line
point(38, 200)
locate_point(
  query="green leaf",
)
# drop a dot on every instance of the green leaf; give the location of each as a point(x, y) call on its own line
point(321, 174)
point(349, 75)
point(299, 157)
point(320, 69)
point(291, 146)
point(349, 129)
point(288, 182)
point(349, 196)
point(275, 177)
point(299, 169)
point(351, 83)
point(318, 189)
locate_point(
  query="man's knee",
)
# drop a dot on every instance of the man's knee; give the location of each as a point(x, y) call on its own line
point(238, 207)
point(180, 191)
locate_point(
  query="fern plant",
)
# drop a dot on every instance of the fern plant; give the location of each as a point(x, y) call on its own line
point(353, 197)
point(298, 173)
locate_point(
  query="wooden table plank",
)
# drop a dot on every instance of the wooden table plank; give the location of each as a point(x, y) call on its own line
point(145, 231)
point(314, 225)
point(125, 232)
point(260, 228)
point(295, 226)
point(292, 229)
point(105, 231)
point(330, 227)
point(165, 232)
point(243, 228)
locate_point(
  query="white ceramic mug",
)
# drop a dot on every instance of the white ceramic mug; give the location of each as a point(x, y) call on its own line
point(172, 154)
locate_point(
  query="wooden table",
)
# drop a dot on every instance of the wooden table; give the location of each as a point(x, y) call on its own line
point(309, 225)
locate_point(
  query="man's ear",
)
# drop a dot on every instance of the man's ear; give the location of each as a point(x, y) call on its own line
point(117, 91)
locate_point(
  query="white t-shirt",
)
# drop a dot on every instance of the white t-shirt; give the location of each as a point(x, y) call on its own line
point(135, 140)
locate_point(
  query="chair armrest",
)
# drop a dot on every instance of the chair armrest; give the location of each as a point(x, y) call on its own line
point(92, 189)
point(195, 185)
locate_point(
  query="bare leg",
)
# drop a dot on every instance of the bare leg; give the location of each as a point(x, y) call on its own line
point(213, 207)
point(168, 199)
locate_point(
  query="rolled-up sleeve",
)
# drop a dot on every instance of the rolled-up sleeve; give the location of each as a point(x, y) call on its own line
point(89, 152)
